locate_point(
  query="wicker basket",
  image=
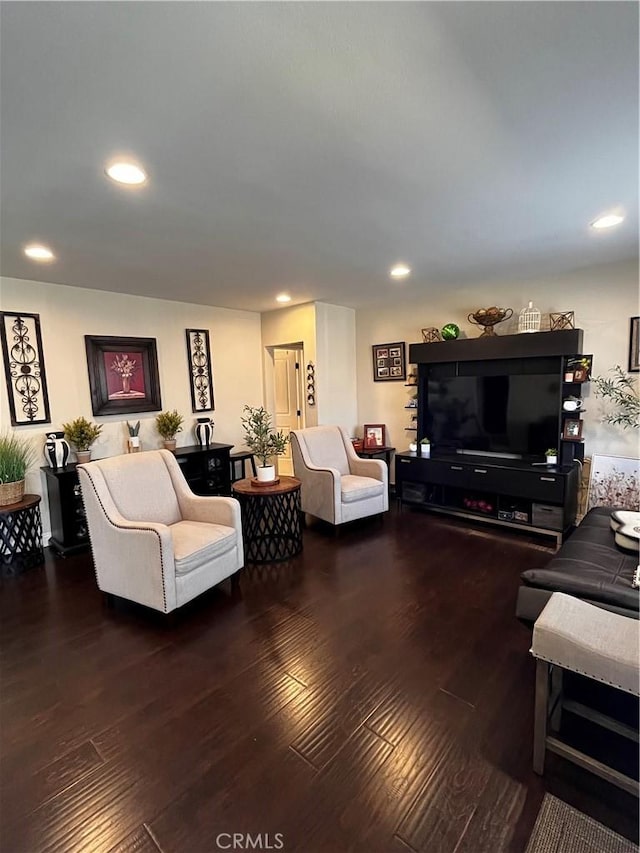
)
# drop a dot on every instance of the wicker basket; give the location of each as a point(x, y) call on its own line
point(11, 493)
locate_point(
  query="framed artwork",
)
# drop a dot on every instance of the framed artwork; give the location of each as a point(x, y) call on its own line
point(374, 436)
point(200, 371)
point(578, 369)
point(634, 345)
point(389, 362)
point(572, 429)
point(614, 481)
point(123, 375)
point(24, 368)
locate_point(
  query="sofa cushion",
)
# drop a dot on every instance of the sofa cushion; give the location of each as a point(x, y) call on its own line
point(196, 543)
point(355, 488)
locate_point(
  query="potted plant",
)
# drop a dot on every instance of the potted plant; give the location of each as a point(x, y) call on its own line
point(621, 393)
point(552, 456)
point(16, 457)
point(81, 434)
point(133, 442)
point(169, 424)
point(263, 441)
point(424, 449)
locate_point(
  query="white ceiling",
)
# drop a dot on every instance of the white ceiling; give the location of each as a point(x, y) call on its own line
point(308, 146)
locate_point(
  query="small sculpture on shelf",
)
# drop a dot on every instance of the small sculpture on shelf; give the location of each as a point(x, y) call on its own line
point(560, 320)
point(450, 332)
point(487, 318)
point(431, 335)
point(529, 319)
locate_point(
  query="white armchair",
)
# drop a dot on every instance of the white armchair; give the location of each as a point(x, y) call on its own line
point(153, 540)
point(337, 485)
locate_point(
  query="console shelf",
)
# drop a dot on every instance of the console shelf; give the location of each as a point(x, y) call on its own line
point(504, 492)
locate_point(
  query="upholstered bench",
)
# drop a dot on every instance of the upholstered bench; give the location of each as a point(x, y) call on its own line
point(589, 566)
point(603, 646)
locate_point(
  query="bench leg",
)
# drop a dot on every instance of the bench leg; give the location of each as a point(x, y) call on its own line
point(540, 716)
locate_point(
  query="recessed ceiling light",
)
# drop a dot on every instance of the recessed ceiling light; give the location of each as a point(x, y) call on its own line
point(283, 297)
point(607, 221)
point(400, 271)
point(126, 173)
point(38, 253)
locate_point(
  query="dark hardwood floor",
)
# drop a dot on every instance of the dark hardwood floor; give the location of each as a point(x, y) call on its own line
point(374, 694)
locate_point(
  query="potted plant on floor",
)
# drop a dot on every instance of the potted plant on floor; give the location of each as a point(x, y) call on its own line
point(16, 457)
point(81, 434)
point(169, 424)
point(263, 441)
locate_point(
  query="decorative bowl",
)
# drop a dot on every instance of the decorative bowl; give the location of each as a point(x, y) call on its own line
point(487, 318)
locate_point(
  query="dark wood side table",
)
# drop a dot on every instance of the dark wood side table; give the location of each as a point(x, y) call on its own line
point(206, 468)
point(372, 452)
point(69, 531)
point(270, 519)
point(21, 536)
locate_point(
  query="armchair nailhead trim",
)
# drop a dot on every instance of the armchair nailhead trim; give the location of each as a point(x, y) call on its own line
point(120, 527)
point(581, 672)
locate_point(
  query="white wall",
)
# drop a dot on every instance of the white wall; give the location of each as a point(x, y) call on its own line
point(67, 314)
point(603, 298)
point(336, 371)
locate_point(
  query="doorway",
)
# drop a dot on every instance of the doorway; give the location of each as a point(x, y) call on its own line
point(288, 397)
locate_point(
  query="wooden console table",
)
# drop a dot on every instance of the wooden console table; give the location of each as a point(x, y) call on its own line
point(21, 536)
point(270, 519)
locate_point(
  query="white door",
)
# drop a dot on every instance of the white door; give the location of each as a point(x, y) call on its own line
point(288, 399)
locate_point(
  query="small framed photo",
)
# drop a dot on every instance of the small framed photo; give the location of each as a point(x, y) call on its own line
point(374, 436)
point(572, 430)
point(578, 369)
point(634, 345)
point(389, 362)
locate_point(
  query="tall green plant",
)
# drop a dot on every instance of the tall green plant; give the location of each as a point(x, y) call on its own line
point(260, 436)
point(622, 394)
point(16, 457)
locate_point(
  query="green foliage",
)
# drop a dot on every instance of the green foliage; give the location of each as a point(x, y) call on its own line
point(551, 451)
point(81, 433)
point(259, 434)
point(16, 457)
point(425, 440)
point(169, 424)
point(133, 430)
point(622, 393)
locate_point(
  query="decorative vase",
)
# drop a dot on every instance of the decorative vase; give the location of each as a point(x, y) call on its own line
point(83, 456)
point(133, 444)
point(56, 450)
point(266, 473)
point(169, 444)
point(204, 431)
point(11, 493)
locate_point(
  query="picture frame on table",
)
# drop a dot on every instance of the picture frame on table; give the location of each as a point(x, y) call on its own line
point(634, 345)
point(123, 374)
point(572, 429)
point(389, 362)
point(578, 369)
point(374, 436)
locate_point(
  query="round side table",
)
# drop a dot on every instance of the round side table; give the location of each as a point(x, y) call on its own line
point(20, 536)
point(270, 519)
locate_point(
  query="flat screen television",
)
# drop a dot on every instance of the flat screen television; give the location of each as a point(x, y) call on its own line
point(516, 415)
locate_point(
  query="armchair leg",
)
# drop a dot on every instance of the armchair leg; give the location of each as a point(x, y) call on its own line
point(108, 600)
point(235, 583)
point(540, 716)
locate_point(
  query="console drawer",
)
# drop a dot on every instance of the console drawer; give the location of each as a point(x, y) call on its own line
point(541, 486)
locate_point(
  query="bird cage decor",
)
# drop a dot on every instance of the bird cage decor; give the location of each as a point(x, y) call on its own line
point(529, 319)
point(562, 320)
point(431, 335)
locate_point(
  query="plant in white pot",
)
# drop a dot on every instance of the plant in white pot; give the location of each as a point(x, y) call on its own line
point(263, 441)
point(16, 457)
point(425, 447)
point(552, 456)
point(81, 434)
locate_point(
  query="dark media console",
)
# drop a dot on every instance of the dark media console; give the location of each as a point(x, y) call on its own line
point(503, 393)
point(505, 492)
